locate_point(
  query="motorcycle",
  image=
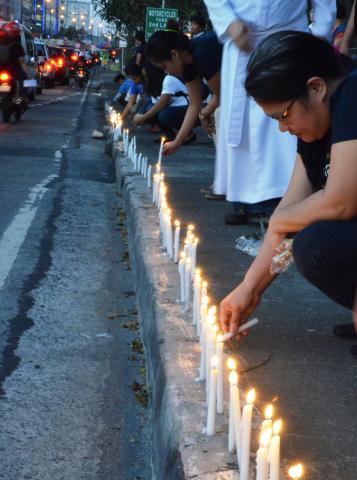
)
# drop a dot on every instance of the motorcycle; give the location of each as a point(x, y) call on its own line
point(11, 103)
point(81, 77)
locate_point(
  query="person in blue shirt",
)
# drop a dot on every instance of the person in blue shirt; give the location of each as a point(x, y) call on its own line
point(135, 90)
point(124, 85)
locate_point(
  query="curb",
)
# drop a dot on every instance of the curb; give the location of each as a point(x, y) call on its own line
point(180, 448)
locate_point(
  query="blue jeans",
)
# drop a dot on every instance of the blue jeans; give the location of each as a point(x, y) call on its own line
point(170, 119)
point(326, 255)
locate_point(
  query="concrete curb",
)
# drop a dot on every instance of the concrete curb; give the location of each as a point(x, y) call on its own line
point(180, 449)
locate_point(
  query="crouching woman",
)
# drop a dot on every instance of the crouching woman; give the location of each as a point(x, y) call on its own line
point(299, 80)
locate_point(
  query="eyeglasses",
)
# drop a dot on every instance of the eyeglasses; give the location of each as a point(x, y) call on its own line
point(283, 116)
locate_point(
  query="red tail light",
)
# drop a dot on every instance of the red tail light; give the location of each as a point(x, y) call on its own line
point(74, 57)
point(5, 77)
point(60, 62)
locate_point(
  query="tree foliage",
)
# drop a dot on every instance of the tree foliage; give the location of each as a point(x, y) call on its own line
point(131, 14)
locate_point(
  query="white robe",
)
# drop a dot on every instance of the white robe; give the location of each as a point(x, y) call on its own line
point(254, 160)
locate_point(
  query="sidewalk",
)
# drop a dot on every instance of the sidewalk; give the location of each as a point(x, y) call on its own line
point(291, 356)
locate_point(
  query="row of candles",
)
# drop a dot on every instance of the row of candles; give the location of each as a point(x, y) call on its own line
point(195, 300)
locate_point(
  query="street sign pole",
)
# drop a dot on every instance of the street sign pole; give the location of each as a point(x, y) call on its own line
point(163, 4)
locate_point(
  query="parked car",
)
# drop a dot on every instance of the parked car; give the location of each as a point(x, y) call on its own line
point(47, 70)
point(59, 61)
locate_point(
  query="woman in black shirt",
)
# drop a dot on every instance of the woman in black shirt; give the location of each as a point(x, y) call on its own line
point(299, 80)
point(191, 61)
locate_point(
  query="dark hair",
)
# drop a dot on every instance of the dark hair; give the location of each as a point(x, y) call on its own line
point(341, 10)
point(140, 36)
point(280, 67)
point(154, 78)
point(161, 43)
point(199, 19)
point(133, 70)
point(119, 76)
point(172, 24)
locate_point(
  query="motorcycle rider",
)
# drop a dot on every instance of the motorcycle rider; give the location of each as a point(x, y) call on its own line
point(12, 55)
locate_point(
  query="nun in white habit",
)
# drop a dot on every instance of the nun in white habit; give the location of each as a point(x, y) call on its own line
point(254, 159)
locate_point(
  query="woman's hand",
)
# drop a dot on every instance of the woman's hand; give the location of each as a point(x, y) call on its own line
point(236, 308)
point(241, 35)
point(139, 119)
point(170, 147)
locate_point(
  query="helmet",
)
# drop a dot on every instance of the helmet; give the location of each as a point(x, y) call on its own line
point(11, 29)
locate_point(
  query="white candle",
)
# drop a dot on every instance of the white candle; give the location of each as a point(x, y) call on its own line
point(177, 240)
point(296, 471)
point(148, 174)
point(170, 249)
point(193, 256)
point(187, 284)
point(190, 229)
point(203, 337)
point(268, 422)
point(211, 410)
point(274, 452)
point(234, 439)
point(220, 389)
point(181, 268)
point(211, 335)
point(246, 435)
point(160, 151)
point(262, 456)
point(197, 297)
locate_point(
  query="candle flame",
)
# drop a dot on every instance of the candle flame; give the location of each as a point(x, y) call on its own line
point(268, 412)
point(215, 329)
point(220, 338)
point(198, 271)
point(190, 227)
point(204, 284)
point(205, 300)
point(296, 471)
point(214, 362)
point(182, 255)
point(177, 223)
point(251, 396)
point(233, 378)
point(231, 364)
point(212, 310)
point(265, 437)
point(196, 240)
point(163, 139)
point(277, 427)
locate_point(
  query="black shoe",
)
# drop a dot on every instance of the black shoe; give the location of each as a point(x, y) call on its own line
point(240, 217)
point(346, 330)
point(353, 350)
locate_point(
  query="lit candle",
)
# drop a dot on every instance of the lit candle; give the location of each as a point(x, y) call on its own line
point(170, 249)
point(234, 439)
point(274, 451)
point(211, 335)
point(193, 256)
point(181, 268)
point(177, 240)
point(187, 284)
point(268, 422)
point(220, 394)
point(190, 229)
point(161, 149)
point(211, 410)
point(196, 297)
point(246, 434)
point(262, 455)
point(296, 471)
point(148, 174)
point(203, 337)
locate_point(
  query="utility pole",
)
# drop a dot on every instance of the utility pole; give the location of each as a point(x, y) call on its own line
point(163, 4)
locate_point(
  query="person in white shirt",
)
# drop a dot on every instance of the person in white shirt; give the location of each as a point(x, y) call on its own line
point(254, 160)
point(169, 110)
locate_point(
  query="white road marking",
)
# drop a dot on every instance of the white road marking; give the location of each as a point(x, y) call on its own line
point(15, 234)
point(55, 100)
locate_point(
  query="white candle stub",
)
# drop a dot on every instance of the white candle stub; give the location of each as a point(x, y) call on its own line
point(245, 326)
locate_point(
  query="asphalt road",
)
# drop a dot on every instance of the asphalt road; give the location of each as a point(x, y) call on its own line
point(67, 319)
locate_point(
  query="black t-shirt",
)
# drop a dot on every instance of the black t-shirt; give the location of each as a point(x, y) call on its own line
point(316, 155)
point(207, 54)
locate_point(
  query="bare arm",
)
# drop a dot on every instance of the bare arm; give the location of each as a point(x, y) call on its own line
point(128, 107)
point(162, 103)
point(215, 85)
point(349, 32)
point(194, 92)
point(243, 300)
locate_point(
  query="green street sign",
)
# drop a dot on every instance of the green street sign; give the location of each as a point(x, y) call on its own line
point(156, 19)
